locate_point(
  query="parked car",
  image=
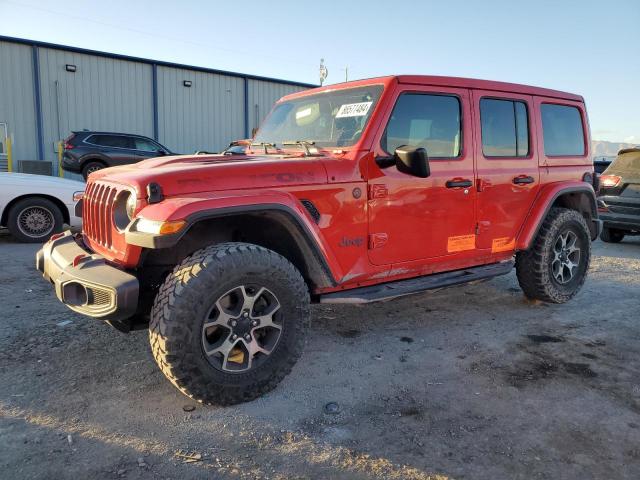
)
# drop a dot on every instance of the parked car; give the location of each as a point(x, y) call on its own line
point(33, 207)
point(354, 193)
point(601, 163)
point(619, 197)
point(86, 152)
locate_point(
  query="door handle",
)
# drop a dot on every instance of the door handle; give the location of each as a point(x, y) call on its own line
point(523, 180)
point(458, 183)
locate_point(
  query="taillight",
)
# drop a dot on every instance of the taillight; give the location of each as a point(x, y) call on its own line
point(609, 181)
point(67, 142)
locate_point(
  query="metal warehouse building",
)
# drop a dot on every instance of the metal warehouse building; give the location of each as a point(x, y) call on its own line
point(47, 91)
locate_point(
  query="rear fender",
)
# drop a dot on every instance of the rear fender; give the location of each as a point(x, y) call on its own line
point(224, 204)
point(568, 194)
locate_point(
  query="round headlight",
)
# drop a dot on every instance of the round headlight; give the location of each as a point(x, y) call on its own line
point(132, 203)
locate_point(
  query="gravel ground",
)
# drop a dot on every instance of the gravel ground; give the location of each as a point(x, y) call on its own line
point(473, 382)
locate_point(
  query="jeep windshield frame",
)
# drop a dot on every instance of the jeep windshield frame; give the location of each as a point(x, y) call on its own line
point(333, 118)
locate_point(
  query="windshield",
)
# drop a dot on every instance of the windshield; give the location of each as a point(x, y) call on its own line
point(329, 119)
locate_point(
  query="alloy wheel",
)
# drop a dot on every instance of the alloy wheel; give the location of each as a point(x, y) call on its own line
point(242, 328)
point(36, 221)
point(566, 257)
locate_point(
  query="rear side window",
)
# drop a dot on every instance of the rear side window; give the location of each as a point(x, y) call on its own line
point(562, 130)
point(505, 128)
point(118, 141)
point(428, 121)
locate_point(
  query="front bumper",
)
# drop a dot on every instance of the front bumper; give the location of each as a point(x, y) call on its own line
point(85, 282)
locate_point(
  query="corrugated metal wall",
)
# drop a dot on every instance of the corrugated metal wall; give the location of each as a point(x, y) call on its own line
point(17, 107)
point(205, 116)
point(262, 95)
point(103, 94)
point(114, 93)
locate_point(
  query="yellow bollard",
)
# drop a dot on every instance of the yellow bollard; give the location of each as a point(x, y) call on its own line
point(60, 171)
point(9, 155)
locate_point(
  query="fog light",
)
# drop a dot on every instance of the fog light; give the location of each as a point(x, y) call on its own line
point(74, 293)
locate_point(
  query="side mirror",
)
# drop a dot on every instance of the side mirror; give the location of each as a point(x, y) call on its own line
point(161, 153)
point(412, 160)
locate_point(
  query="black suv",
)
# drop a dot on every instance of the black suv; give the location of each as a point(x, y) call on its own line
point(619, 197)
point(86, 152)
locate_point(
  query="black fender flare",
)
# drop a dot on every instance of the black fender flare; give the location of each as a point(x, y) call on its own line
point(157, 241)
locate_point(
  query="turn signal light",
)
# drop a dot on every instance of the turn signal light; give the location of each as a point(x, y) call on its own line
point(609, 180)
point(159, 227)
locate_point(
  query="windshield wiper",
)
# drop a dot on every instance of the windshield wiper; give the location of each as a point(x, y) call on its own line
point(304, 144)
point(264, 145)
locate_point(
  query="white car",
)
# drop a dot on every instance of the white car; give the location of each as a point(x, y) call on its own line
point(34, 207)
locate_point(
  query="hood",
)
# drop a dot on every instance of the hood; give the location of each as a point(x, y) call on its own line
point(187, 174)
point(35, 181)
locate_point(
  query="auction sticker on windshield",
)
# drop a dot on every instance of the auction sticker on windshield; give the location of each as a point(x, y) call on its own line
point(353, 109)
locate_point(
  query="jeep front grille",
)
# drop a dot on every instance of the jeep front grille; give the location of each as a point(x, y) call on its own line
point(97, 213)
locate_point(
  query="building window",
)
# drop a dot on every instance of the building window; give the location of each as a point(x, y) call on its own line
point(505, 128)
point(428, 121)
point(562, 130)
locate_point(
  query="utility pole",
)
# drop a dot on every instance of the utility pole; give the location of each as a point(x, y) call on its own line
point(346, 73)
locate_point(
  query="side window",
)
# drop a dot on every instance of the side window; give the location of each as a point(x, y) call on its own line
point(118, 141)
point(562, 130)
point(505, 128)
point(145, 145)
point(429, 121)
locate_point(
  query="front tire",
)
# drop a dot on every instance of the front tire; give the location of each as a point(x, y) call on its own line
point(610, 235)
point(34, 220)
point(555, 266)
point(229, 323)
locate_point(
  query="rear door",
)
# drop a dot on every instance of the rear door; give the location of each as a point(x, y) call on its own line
point(119, 148)
point(507, 166)
point(414, 218)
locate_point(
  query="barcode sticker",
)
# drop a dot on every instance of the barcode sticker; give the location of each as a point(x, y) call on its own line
point(353, 109)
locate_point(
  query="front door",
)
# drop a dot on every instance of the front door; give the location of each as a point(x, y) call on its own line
point(506, 166)
point(414, 218)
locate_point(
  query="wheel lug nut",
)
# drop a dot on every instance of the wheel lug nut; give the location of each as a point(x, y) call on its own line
point(254, 323)
point(234, 336)
point(247, 337)
point(233, 323)
point(245, 314)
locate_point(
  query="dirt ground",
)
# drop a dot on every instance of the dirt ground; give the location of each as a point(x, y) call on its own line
point(466, 383)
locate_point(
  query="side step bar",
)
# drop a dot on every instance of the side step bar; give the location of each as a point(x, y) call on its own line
point(400, 288)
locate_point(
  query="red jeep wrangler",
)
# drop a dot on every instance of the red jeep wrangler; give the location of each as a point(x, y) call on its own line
point(350, 193)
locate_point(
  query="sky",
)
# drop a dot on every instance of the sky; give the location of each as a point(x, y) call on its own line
point(585, 47)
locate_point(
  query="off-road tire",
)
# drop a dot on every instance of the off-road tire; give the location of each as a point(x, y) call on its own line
point(533, 266)
point(49, 209)
point(611, 235)
point(179, 311)
point(90, 167)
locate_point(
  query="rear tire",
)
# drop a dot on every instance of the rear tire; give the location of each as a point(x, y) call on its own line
point(555, 266)
point(34, 220)
point(215, 295)
point(611, 235)
point(90, 167)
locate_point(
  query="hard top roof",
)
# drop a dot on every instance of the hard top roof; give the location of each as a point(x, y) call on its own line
point(457, 82)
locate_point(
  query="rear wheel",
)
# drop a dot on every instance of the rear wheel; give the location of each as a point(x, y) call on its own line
point(90, 167)
point(555, 266)
point(229, 323)
point(611, 235)
point(34, 220)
